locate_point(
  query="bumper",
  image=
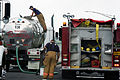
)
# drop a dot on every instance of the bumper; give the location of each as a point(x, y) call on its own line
point(90, 74)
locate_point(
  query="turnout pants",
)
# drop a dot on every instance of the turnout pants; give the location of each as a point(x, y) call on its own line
point(50, 63)
point(42, 21)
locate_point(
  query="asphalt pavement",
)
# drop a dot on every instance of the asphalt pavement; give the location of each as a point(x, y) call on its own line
point(17, 75)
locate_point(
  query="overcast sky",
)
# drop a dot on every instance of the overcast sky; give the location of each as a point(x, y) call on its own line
point(60, 7)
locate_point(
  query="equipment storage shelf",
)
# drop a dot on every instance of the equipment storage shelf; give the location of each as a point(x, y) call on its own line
point(90, 53)
point(88, 58)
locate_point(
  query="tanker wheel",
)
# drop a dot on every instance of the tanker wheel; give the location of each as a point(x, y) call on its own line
point(0, 72)
point(23, 65)
point(7, 66)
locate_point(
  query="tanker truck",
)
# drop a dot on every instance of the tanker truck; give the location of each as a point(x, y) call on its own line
point(25, 37)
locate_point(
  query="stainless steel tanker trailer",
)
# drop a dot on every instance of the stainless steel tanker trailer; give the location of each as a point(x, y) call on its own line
point(27, 35)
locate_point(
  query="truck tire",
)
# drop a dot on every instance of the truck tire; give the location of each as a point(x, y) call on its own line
point(0, 73)
point(111, 75)
point(7, 66)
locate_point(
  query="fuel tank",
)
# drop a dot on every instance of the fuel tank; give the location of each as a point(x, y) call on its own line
point(25, 32)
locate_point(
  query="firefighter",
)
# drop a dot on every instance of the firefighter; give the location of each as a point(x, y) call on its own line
point(39, 16)
point(50, 59)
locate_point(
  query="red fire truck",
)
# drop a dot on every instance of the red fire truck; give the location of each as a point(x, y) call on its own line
point(90, 49)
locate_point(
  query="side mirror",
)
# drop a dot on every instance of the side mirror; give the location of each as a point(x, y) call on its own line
point(56, 35)
point(60, 34)
point(5, 20)
point(7, 13)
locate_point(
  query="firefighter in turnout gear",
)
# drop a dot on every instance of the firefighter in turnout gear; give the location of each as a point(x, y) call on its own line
point(40, 17)
point(50, 59)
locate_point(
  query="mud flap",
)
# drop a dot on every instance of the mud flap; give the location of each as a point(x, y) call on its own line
point(111, 75)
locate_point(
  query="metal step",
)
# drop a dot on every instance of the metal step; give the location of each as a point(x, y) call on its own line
point(91, 77)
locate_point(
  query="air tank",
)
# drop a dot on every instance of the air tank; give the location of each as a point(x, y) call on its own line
point(24, 32)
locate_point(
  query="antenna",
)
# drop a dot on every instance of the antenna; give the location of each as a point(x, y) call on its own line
point(106, 15)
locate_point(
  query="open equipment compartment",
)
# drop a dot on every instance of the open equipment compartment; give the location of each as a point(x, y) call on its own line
point(90, 53)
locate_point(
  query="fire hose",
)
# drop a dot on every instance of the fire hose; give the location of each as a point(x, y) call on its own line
point(19, 63)
point(24, 70)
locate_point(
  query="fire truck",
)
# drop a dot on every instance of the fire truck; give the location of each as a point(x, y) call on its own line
point(90, 49)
